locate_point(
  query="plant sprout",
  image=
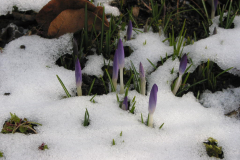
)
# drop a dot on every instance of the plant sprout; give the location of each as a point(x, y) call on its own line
point(214, 7)
point(121, 64)
point(152, 104)
point(182, 68)
point(78, 76)
point(115, 70)
point(129, 30)
point(125, 104)
point(142, 79)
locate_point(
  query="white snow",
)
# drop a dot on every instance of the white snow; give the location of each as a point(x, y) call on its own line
point(30, 76)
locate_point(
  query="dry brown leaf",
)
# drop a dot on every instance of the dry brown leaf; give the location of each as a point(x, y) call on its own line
point(70, 21)
point(53, 8)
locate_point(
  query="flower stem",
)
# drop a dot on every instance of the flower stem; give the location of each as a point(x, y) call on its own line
point(177, 84)
point(79, 91)
point(121, 81)
point(143, 86)
point(150, 120)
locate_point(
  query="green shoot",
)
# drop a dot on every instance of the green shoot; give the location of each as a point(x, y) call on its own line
point(142, 118)
point(92, 99)
point(113, 142)
point(152, 64)
point(161, 126)
point(63, 86)
point(90, 90)
point(86, 118)
point(121, 133)
point(110, 80)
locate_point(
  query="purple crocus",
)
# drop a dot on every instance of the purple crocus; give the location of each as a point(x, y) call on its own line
point(214, 7)
point(183, 64)
point(120, 53)
point(129, 30)
point(152, 104)
point(78, 76)
point(142, 79)
point(115, 69)
point(182, 68)
point(125, 104)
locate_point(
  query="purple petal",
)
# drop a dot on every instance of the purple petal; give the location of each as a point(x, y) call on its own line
point(75, 47)
point(153, 99)
point(129, 30)
point(78, 73)
point(125, 103)
point(141, 71)
point(115, 66)
point(120, 54)
point(183, 64)
point(215, 4)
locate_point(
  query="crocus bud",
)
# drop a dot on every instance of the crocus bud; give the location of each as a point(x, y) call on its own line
point(115, 69)
point(153, 99)
point(120, 58)
point(215, 4)
point(182, 68)
point(125, 104)
point(152, 104)
point(120, 54)
point(78, 76)
point(183, 64)
point(142, 79)
point(129, 30)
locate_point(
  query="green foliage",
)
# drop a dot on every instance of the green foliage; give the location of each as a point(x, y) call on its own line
point(15, 124)
point(1, 154)
point(142, 118)
point(121, 133)
point(212, 148)
point(90, 90)
point(161, 126)
point(63, 86)
point(86, 118)
point(110, 80)
point(43, 146)
point(92, 99)
point(113, 142)
point(226, 22)
point(133, 102)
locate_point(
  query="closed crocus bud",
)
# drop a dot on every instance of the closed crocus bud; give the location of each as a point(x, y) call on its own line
point(121, 55)
point(129, 30)
point(78, 76)
point(115, 69)
point(125, 104)
point(142, 79)
point(152, 104)
point(182, 68)
point(121, 64)
point(183, 64)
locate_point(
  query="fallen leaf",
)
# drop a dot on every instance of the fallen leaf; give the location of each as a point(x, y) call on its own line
point(54, 8)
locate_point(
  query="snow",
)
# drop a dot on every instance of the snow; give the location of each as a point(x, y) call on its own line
point(30, 76)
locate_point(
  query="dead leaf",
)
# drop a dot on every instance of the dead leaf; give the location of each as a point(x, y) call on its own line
point(52, 9)
point(70, 21)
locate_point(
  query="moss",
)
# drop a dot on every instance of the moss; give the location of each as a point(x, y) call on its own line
point(212, 148)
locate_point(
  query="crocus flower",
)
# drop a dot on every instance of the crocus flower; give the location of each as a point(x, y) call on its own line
point(214, 7)
point(129, 30)
point(125, 104)
point(121, 64)
point(115, 70)
point(182, 68)
point(78, 76)
point(142, 79)
point(152, 104)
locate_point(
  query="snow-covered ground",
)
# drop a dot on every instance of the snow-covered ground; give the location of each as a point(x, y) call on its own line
point(30, 76)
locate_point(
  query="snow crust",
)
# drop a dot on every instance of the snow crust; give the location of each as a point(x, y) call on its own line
point(30, 76)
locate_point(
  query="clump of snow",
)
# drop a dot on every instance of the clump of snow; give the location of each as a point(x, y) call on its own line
point(94, 65)
point(228, 100)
